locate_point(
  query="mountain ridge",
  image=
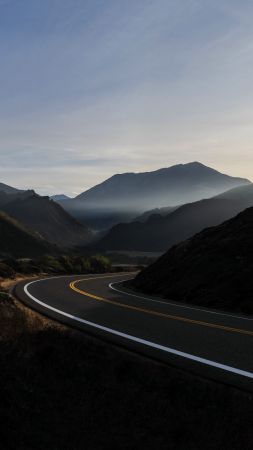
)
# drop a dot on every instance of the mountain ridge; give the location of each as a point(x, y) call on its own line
point(9, 189)
point(122, 197)
point(159, 232)
point(45, 217)
point(182, 170)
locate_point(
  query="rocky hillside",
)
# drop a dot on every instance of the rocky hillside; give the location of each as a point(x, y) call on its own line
point(212, 269)
point(8, 189)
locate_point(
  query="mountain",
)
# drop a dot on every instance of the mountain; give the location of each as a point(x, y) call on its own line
point(158, 232)
point(6, 198)
point(212, 269)
point(59, 197)
point(171, 186)
point(130, 194)
point(17, 241)
point(44, 216)
point(8, 189)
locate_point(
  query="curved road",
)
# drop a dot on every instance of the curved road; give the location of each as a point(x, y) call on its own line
point(210, 343)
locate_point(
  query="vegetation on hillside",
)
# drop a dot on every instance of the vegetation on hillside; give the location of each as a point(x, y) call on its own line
point(64, 264)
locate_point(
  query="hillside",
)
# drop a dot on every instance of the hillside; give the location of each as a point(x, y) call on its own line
point(134, 193)
point(8, 189)
point(47, 218)
point(12, 196)
point(212, 269)
point(158, 233)
point(17, 241)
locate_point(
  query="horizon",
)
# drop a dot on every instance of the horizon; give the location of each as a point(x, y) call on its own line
point(122, 173)
point(92, 88)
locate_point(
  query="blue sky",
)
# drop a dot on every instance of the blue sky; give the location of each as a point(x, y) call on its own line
point(90, 88)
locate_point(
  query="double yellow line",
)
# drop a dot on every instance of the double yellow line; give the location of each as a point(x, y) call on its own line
point(152, 312)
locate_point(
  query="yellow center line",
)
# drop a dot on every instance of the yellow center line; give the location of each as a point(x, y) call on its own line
point(152, 312)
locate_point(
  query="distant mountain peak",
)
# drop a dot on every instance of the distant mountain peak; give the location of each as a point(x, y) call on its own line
point(128, 195)
point(59, 197)
point(173, 185)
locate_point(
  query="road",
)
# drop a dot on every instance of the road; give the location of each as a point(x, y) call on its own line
point(208, 343)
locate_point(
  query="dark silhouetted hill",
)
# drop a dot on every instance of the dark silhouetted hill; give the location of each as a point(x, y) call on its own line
point(131, 194)
point(212, 269)
point(17, 241)
point(8, 189)
point(6, 198)
point(158, 233)
point(47, 218)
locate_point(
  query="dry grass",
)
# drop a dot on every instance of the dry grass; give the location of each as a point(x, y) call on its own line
point(6, 284)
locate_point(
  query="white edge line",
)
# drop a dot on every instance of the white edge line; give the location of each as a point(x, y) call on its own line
point(136, 339)
point(177, 305)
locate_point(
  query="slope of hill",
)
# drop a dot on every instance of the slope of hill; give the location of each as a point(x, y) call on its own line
point(6, 198)
point(158, 233)
point(17, 241)
point(214, 268)
point(8, 189)
point(47, 218)
point(135, 193)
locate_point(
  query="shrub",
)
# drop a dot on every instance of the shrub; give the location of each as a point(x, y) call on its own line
point(6, 271)
point(51, 264)
point(100, 264)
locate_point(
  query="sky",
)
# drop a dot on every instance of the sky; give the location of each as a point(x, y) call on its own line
point(90, 88)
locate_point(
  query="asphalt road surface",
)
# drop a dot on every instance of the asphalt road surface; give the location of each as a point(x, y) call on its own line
point(209, 343)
